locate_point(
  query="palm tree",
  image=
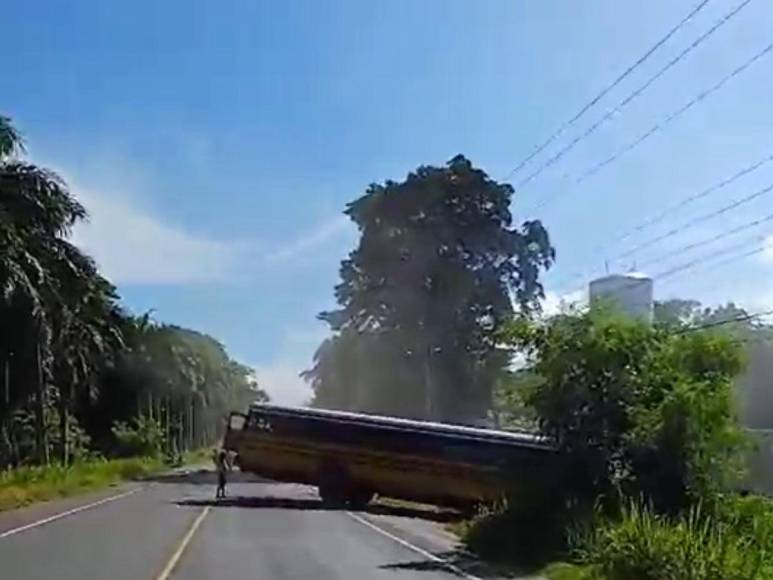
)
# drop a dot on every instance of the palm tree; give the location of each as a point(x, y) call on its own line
point(64, 338)
point(85, 330)
point(37, 212)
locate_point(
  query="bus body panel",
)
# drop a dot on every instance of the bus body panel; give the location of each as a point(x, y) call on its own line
point(412, 460)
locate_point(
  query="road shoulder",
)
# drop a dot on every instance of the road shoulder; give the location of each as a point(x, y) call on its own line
point(433, 538)
point(38, 512)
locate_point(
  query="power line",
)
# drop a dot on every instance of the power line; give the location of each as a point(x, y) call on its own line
point(745, 318)
point(622, 104)
point(731, 259)
point(695, 221)
point(688, 266)
point(665, 213)
point(712, 239)
point(537, 150)
point(673, 116)
point(692, 198)
point(701, 261)
point(698, 262)
point(746, 254)
point(705, 258)
point(754, 340)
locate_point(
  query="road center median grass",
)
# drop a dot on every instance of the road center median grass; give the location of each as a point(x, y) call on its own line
point(26, 485)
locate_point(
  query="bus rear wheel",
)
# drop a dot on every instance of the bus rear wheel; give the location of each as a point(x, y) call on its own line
point(359, 498)
point(332, 495)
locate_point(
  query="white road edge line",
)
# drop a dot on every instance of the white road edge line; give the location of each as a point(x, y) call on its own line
point(178, 553)
point(445, 563)
point(71, 512)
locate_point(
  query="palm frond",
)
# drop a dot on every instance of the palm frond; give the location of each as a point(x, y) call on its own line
point(11, 142)
point(37, 199)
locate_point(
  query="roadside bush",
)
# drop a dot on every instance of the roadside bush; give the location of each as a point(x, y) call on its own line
point(635, 409)
point(78, 441)
point(643, 545)
point(27, 485)
point(21, 431)
point(525, 536)
point(527, 528)
point(142, 437)
point(751, 516)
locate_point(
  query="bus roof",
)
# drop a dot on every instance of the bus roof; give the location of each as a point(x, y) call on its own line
point(520, 438)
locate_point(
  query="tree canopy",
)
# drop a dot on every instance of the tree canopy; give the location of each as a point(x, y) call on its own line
point(681, 313)
point(634, 408)
point(72, 361)
point(439, 267)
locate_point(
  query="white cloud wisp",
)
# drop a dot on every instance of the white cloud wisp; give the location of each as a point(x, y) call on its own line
point(134, 247)
point(310, 240)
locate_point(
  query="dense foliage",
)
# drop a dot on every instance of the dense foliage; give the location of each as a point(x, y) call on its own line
point(634, 408)
point(72, 361)
point(645, 420)
point(731, 541)
point(678, 314)
point(435, 274)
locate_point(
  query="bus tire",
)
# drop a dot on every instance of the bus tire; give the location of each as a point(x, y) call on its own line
point(331, 496)
point(333, 482)
point(360, 498)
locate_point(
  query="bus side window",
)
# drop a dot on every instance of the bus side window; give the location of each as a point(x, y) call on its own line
point(236, 422)
point(258, 422)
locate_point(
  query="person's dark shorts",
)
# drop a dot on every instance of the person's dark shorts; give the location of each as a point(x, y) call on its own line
point(221, 478)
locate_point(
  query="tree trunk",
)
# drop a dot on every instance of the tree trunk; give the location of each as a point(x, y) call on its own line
point(7, 381)
point(183, 446)
point(5, 415)
point(495, 418)
point(64, 428)
point(15, 459)
point(191, 425)
point(7, 459)
point(41, 439)
point(169, 440)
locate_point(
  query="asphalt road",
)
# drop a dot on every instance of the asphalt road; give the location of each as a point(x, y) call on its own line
point(172, 528)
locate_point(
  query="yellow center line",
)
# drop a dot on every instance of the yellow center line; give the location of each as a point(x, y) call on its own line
point(178, 553)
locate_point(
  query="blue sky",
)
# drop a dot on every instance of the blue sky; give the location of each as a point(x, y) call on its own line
point(216, 144)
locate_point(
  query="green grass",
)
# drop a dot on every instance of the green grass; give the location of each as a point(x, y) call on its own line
point(567, 571)
point(729, 538)
point(26, 485)
point(732, 543)
point(198, 457)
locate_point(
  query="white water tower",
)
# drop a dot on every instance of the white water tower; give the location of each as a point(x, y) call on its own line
point(630, 293)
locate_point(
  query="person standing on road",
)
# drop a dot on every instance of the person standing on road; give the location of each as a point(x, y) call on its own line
point(221, 465)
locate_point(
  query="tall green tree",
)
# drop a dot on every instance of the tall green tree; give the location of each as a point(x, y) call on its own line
point(37, 213)
point(677, 312)
point(680, 313)
point(438, 268)
point(73, 364)
point(634, 408)
point(175, 379)
point(86, 334)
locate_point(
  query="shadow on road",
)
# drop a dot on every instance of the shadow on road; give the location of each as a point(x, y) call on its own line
point(269, 502)
point(459, 563)
point(205, 477)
